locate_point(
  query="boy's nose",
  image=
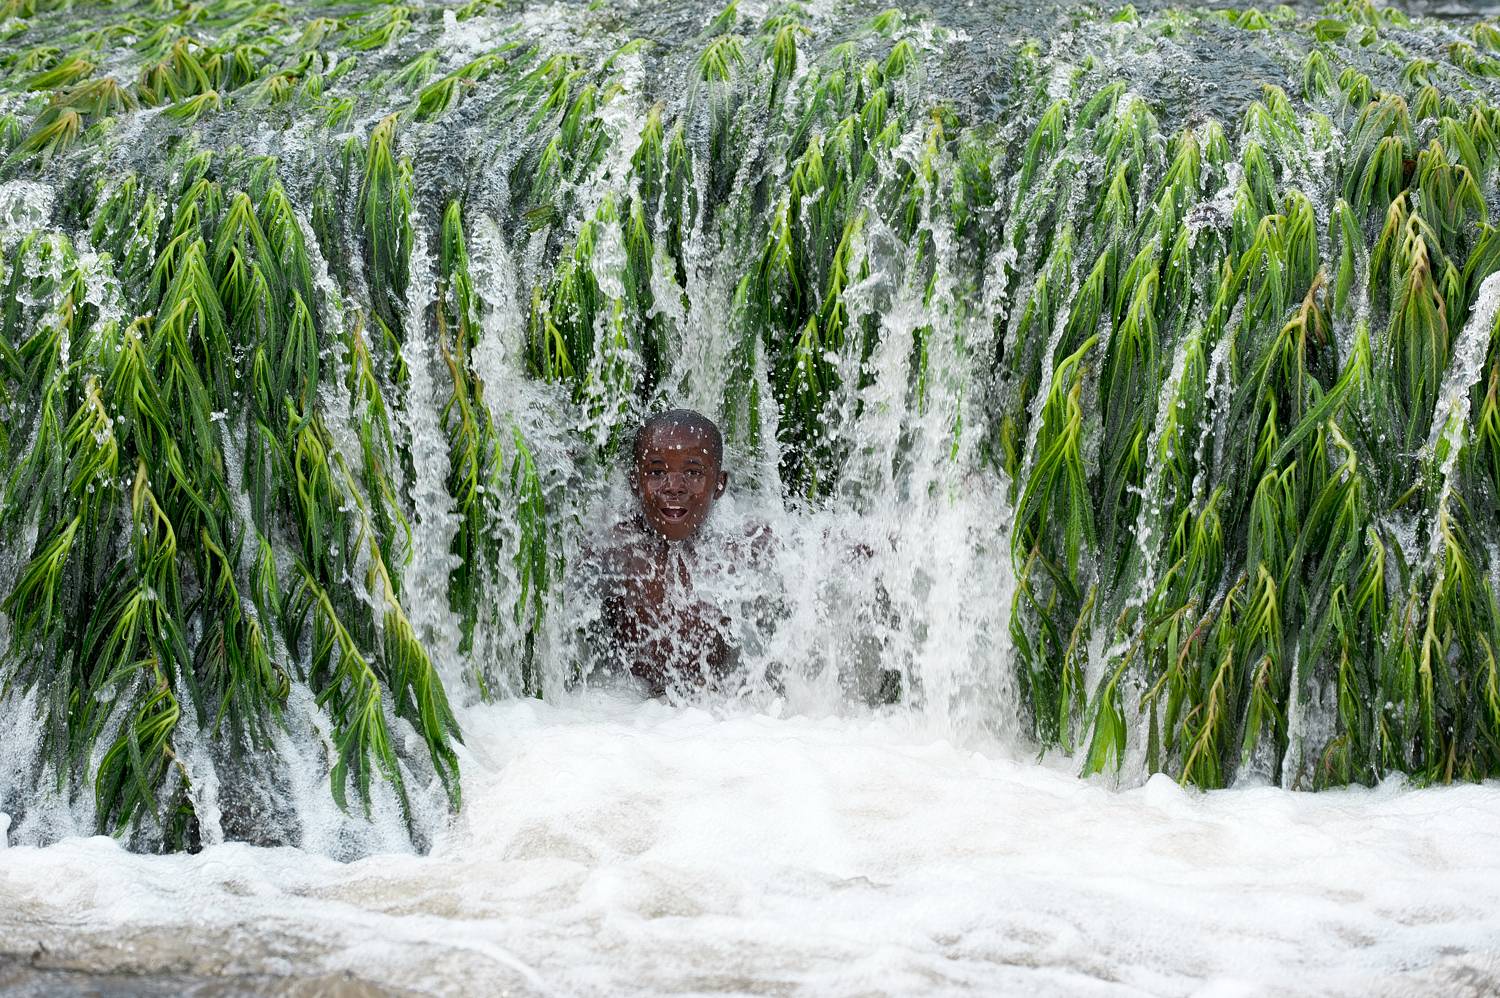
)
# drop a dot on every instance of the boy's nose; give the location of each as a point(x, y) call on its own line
point(678, 486)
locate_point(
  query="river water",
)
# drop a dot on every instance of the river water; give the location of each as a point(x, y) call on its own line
point(610, 846)
point(792, 841)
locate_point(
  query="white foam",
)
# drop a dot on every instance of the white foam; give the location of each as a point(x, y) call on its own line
point(616, 847)
point(25, 205)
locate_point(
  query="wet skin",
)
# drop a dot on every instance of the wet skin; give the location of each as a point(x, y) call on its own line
point(676, 479)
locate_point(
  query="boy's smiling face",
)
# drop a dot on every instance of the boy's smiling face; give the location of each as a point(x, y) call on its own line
point(677, 478)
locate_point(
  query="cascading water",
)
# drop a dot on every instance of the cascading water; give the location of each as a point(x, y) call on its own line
point(1118, 385)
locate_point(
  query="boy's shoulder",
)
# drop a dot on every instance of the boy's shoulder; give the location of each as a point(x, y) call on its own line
point(760, 536)
point(753, 543)
point(624, 537)
point(616, 544)
point(627, 531)
point(629, 543)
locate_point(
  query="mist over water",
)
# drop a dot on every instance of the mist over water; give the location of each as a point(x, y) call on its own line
point(912, 268)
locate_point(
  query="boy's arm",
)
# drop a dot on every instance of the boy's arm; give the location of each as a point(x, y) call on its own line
point(596, 583)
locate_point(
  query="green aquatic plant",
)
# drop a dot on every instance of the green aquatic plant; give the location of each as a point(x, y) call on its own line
point(284, 285)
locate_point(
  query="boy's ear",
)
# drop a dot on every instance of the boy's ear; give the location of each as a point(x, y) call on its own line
point(723, 484)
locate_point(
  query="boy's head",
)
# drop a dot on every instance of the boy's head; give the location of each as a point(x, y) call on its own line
point(678, 471)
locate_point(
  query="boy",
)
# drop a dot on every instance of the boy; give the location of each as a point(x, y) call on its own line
point(659, 629)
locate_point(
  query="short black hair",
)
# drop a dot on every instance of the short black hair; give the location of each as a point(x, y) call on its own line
point(688, 419)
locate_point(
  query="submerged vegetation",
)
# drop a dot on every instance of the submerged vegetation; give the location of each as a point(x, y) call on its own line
point(282, 284)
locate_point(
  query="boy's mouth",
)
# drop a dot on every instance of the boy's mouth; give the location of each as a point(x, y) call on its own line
point(673, 513)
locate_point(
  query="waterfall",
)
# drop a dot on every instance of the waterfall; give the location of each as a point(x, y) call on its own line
point(1122, 384)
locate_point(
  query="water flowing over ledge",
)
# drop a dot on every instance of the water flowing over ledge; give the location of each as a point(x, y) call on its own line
point(1151, 354)
point(1147, 358)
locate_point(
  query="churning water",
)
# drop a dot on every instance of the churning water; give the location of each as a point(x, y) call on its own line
point(613, 847)
point(1119, 387)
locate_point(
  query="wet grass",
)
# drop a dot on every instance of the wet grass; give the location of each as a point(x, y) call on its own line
point(1240, 377)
